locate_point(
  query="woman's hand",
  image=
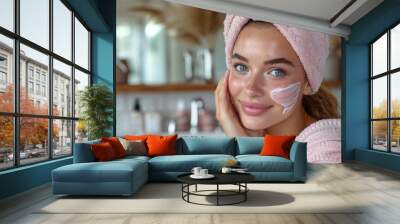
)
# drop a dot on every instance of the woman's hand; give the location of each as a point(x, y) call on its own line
point(225, 111)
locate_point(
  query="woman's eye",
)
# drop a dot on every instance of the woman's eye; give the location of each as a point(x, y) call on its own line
point(241, 68)
point(277, 73)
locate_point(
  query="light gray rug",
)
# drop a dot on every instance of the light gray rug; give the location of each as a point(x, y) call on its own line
point(166, 198)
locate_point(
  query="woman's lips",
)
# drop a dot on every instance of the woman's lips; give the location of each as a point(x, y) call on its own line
point(254, 109)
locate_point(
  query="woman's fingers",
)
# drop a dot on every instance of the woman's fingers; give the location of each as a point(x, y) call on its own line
point(225, 111)
point(219, 93)
point(222, 94)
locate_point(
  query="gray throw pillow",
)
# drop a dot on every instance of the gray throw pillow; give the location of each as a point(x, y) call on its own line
point(136, 147)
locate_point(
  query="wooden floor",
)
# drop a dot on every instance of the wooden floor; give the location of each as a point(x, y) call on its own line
point(377, 188)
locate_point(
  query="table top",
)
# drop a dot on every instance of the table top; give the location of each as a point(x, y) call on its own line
point(220, 178)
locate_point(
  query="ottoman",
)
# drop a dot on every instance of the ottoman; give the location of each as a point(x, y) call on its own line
point(118, 177)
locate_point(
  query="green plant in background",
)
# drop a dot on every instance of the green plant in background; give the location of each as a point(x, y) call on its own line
point(96, 102)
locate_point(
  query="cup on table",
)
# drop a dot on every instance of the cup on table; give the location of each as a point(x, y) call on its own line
point(226, 170)
point(203, 172)
point(196, 171)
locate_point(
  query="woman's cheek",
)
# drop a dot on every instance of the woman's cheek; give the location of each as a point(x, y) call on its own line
point(235, 85)
point(286, 96)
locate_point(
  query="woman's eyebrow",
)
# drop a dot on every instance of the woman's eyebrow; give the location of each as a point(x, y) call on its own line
point(240, 57)
point(279, 61)
point(269, 62)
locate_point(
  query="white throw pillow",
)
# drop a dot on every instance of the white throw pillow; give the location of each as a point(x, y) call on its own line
point(134, 147)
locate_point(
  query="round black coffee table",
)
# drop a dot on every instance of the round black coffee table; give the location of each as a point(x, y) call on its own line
point(238, 179)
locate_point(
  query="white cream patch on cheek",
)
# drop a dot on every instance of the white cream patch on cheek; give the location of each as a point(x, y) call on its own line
point(287, 96)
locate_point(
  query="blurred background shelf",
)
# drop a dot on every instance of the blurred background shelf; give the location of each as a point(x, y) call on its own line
point(166, 88)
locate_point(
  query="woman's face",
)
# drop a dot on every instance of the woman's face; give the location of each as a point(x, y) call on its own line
point(267, 79)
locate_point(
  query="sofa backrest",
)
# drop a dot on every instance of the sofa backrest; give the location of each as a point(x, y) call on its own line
point(192, 145)
point(249, 145)
point(83, 152)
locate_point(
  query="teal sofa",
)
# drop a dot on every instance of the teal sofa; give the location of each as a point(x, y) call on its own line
point(125, 176)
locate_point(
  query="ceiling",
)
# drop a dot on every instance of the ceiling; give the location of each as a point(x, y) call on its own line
point(328, 16)
point(320, 10)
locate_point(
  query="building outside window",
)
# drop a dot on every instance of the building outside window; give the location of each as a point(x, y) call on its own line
point(59, 127)
point(385, 91)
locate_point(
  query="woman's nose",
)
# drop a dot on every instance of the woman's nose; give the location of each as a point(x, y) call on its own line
point(254, 85)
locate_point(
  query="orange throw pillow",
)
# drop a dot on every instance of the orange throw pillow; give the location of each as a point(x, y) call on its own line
point(161, 145)
point(116, 145)
point(135, 137)
point(103, 152)
point(277, 146)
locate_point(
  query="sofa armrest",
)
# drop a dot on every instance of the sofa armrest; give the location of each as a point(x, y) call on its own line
point(298, 155)
point(83, 152)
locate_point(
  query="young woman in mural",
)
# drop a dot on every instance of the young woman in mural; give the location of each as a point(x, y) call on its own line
point(273, 86)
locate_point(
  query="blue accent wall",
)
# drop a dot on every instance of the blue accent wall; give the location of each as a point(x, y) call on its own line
point(356, 85)
point(100, 17)
point(24, 178)
point(104, 52)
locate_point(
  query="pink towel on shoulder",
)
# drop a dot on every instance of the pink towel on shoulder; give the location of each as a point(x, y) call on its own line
point(323, 139)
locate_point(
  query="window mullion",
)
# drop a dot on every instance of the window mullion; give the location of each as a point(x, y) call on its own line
point(50, 81)
point(389, 106)
point(371, 89)
point(73, 82)
point(16, 84)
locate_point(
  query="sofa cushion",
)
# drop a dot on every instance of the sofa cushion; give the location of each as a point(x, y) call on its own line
point(275, 145)
point(116, 145)
point(103, 152)
point(131, 158)
point(257, 163)
point(83, 152)
point(135, 137)
point(161, 145)
point(112, 171)
point(134, 147)
point(198, 145)
point(185, 163)
point(249, 145)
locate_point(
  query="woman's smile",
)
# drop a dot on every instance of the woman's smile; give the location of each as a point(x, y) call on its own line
point(254, 109)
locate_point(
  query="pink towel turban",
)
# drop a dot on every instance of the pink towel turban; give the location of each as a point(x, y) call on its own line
point(311, 47)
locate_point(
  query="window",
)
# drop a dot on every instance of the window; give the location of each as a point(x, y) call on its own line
point(38, 89)
point(30, 87)
point(81, 81)
point(385, 94)
point(35, 22)
point(3, 61)
point(62, 29)
point(3, 78)
point(37, 75)
point(62, 137)
point(44, 91)
point(3, 72)
point(30, 72)
point(7, 14)
point(45, 131)
point(62, 74)
point(7, 141)
point(81, 45)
